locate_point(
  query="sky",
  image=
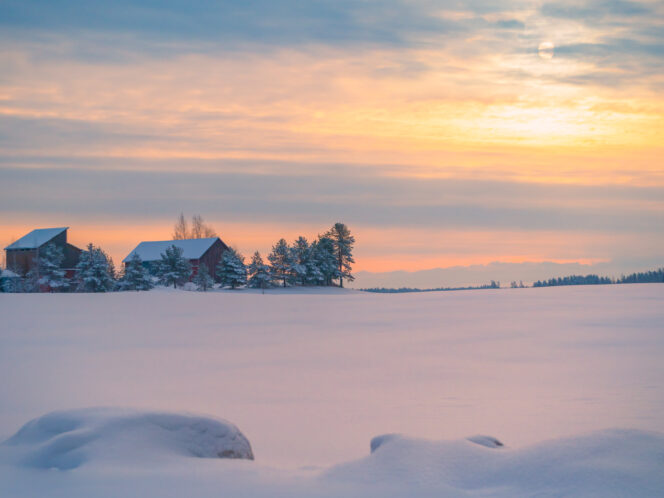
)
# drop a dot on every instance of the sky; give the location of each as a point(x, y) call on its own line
point(443, 133)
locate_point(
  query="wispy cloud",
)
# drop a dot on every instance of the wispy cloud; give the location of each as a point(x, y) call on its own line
point(389, 114)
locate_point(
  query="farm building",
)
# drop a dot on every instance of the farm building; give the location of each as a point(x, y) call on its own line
point(22, 254)
point(206, 251)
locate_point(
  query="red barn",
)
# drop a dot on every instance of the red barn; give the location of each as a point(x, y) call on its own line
point(22, 254)
point(206, 251)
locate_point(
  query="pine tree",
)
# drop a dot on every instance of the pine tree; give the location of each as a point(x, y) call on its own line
point(173, 269)
point(231, 270)
point(51, 274)
point(259, 272)
point(300, 256)
point(281, 263)
point(30, 281)
point(203, 280)
point(11, 281)
point(93, 272)
point(136, 276)
point(343, 248)
point(324, 263)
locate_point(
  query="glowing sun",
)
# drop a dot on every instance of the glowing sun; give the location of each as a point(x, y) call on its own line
point(545, 50)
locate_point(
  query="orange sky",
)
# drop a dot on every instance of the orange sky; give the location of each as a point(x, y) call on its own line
point(441, 137)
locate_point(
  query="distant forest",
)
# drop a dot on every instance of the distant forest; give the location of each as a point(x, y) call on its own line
point(386, 290)
point(633, 278)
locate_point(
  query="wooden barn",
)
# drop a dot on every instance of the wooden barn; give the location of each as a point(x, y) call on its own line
point(206, 251)
point(22, 254)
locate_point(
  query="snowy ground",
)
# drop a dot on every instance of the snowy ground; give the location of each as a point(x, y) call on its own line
point(310, 378)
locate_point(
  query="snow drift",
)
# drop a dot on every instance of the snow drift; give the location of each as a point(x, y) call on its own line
point(130, 453)
point(69, 439)
point(613, 462)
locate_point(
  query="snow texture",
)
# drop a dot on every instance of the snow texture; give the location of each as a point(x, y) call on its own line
point(68, 439)
point(36, 238)
point(8, 274)
point(152, 250)
point(312, 374)
point(114, 454)
point(607, 463)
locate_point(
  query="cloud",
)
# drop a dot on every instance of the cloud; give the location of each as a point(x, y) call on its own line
point(592, 11)
point(383, 113)
point(287, 22)
point(616, 43)
point(316, 198)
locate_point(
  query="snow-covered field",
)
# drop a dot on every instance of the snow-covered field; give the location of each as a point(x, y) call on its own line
point(311, 377)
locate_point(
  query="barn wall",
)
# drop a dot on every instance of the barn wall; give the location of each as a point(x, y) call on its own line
point(72, 255)
point(213, 255)
point(20, 260)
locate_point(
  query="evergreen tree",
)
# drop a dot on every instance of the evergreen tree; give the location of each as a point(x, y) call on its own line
point(259, 272)
point(136, 276)
point(93, 271)
point(31, 279)
point(343, 248)
point(231, 270)
point(314, 275)
point(173, 269)
point(49, 263)
point(300, 260)
point(281, 263)
point(203, 280)
point(324, 261)
point(11, 281)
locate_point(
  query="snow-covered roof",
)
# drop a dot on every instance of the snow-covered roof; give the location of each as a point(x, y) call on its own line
point(191, 248)
point(36, 238)
point(8, 274)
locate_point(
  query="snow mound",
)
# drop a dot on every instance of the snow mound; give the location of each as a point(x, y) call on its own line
point(69, 439)
point(607, 463)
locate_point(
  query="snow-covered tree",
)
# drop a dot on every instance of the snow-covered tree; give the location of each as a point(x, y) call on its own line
point(343, 250)
point(49, 265)
point(173, 269)
point(30, 281)
point(281, 262)
point(11, 281)
point(300, 259)
point(323, 261)
point(203, 280)
point(231, 270)
point(259, 272)
point(136, 276)
point(93, 271)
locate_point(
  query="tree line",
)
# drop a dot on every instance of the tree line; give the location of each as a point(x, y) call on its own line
point(326, 261)
point(633, 278)
point(591, 279)
point(400, 290)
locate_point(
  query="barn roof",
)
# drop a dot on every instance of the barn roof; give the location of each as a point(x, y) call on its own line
point(191, 248)
point(36, 238)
